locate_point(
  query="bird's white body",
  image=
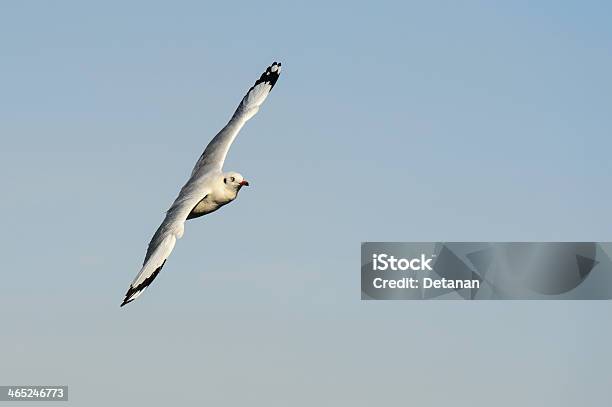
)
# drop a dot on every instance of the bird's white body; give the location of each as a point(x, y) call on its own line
point(208, 187)
point(211, 203)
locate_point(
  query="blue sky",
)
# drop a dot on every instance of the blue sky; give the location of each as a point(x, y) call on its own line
point(403, 121)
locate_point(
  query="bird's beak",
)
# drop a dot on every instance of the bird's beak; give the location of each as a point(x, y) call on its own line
point(244, 183)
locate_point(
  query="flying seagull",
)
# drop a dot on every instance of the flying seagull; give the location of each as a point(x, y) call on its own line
point(208, 187)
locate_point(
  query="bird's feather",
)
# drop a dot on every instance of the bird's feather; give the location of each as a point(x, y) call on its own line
point(214, 155)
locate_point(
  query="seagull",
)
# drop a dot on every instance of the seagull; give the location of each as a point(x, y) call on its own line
point(208, 187)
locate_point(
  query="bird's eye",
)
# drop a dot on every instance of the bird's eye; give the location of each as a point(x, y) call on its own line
point(232, 179)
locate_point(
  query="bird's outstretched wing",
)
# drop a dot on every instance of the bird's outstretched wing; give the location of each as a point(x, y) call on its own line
point(214, 155)
point(165, 237)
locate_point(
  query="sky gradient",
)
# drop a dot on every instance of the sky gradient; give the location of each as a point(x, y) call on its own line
point(406, 121)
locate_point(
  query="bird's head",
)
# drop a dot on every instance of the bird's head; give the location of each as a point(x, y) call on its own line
point(234, 180)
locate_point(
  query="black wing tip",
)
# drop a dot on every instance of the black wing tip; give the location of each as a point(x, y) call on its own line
point(270, 76)
point(129, 296)
point(125, 301)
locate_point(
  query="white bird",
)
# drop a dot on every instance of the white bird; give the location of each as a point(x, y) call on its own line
point(208, 187)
